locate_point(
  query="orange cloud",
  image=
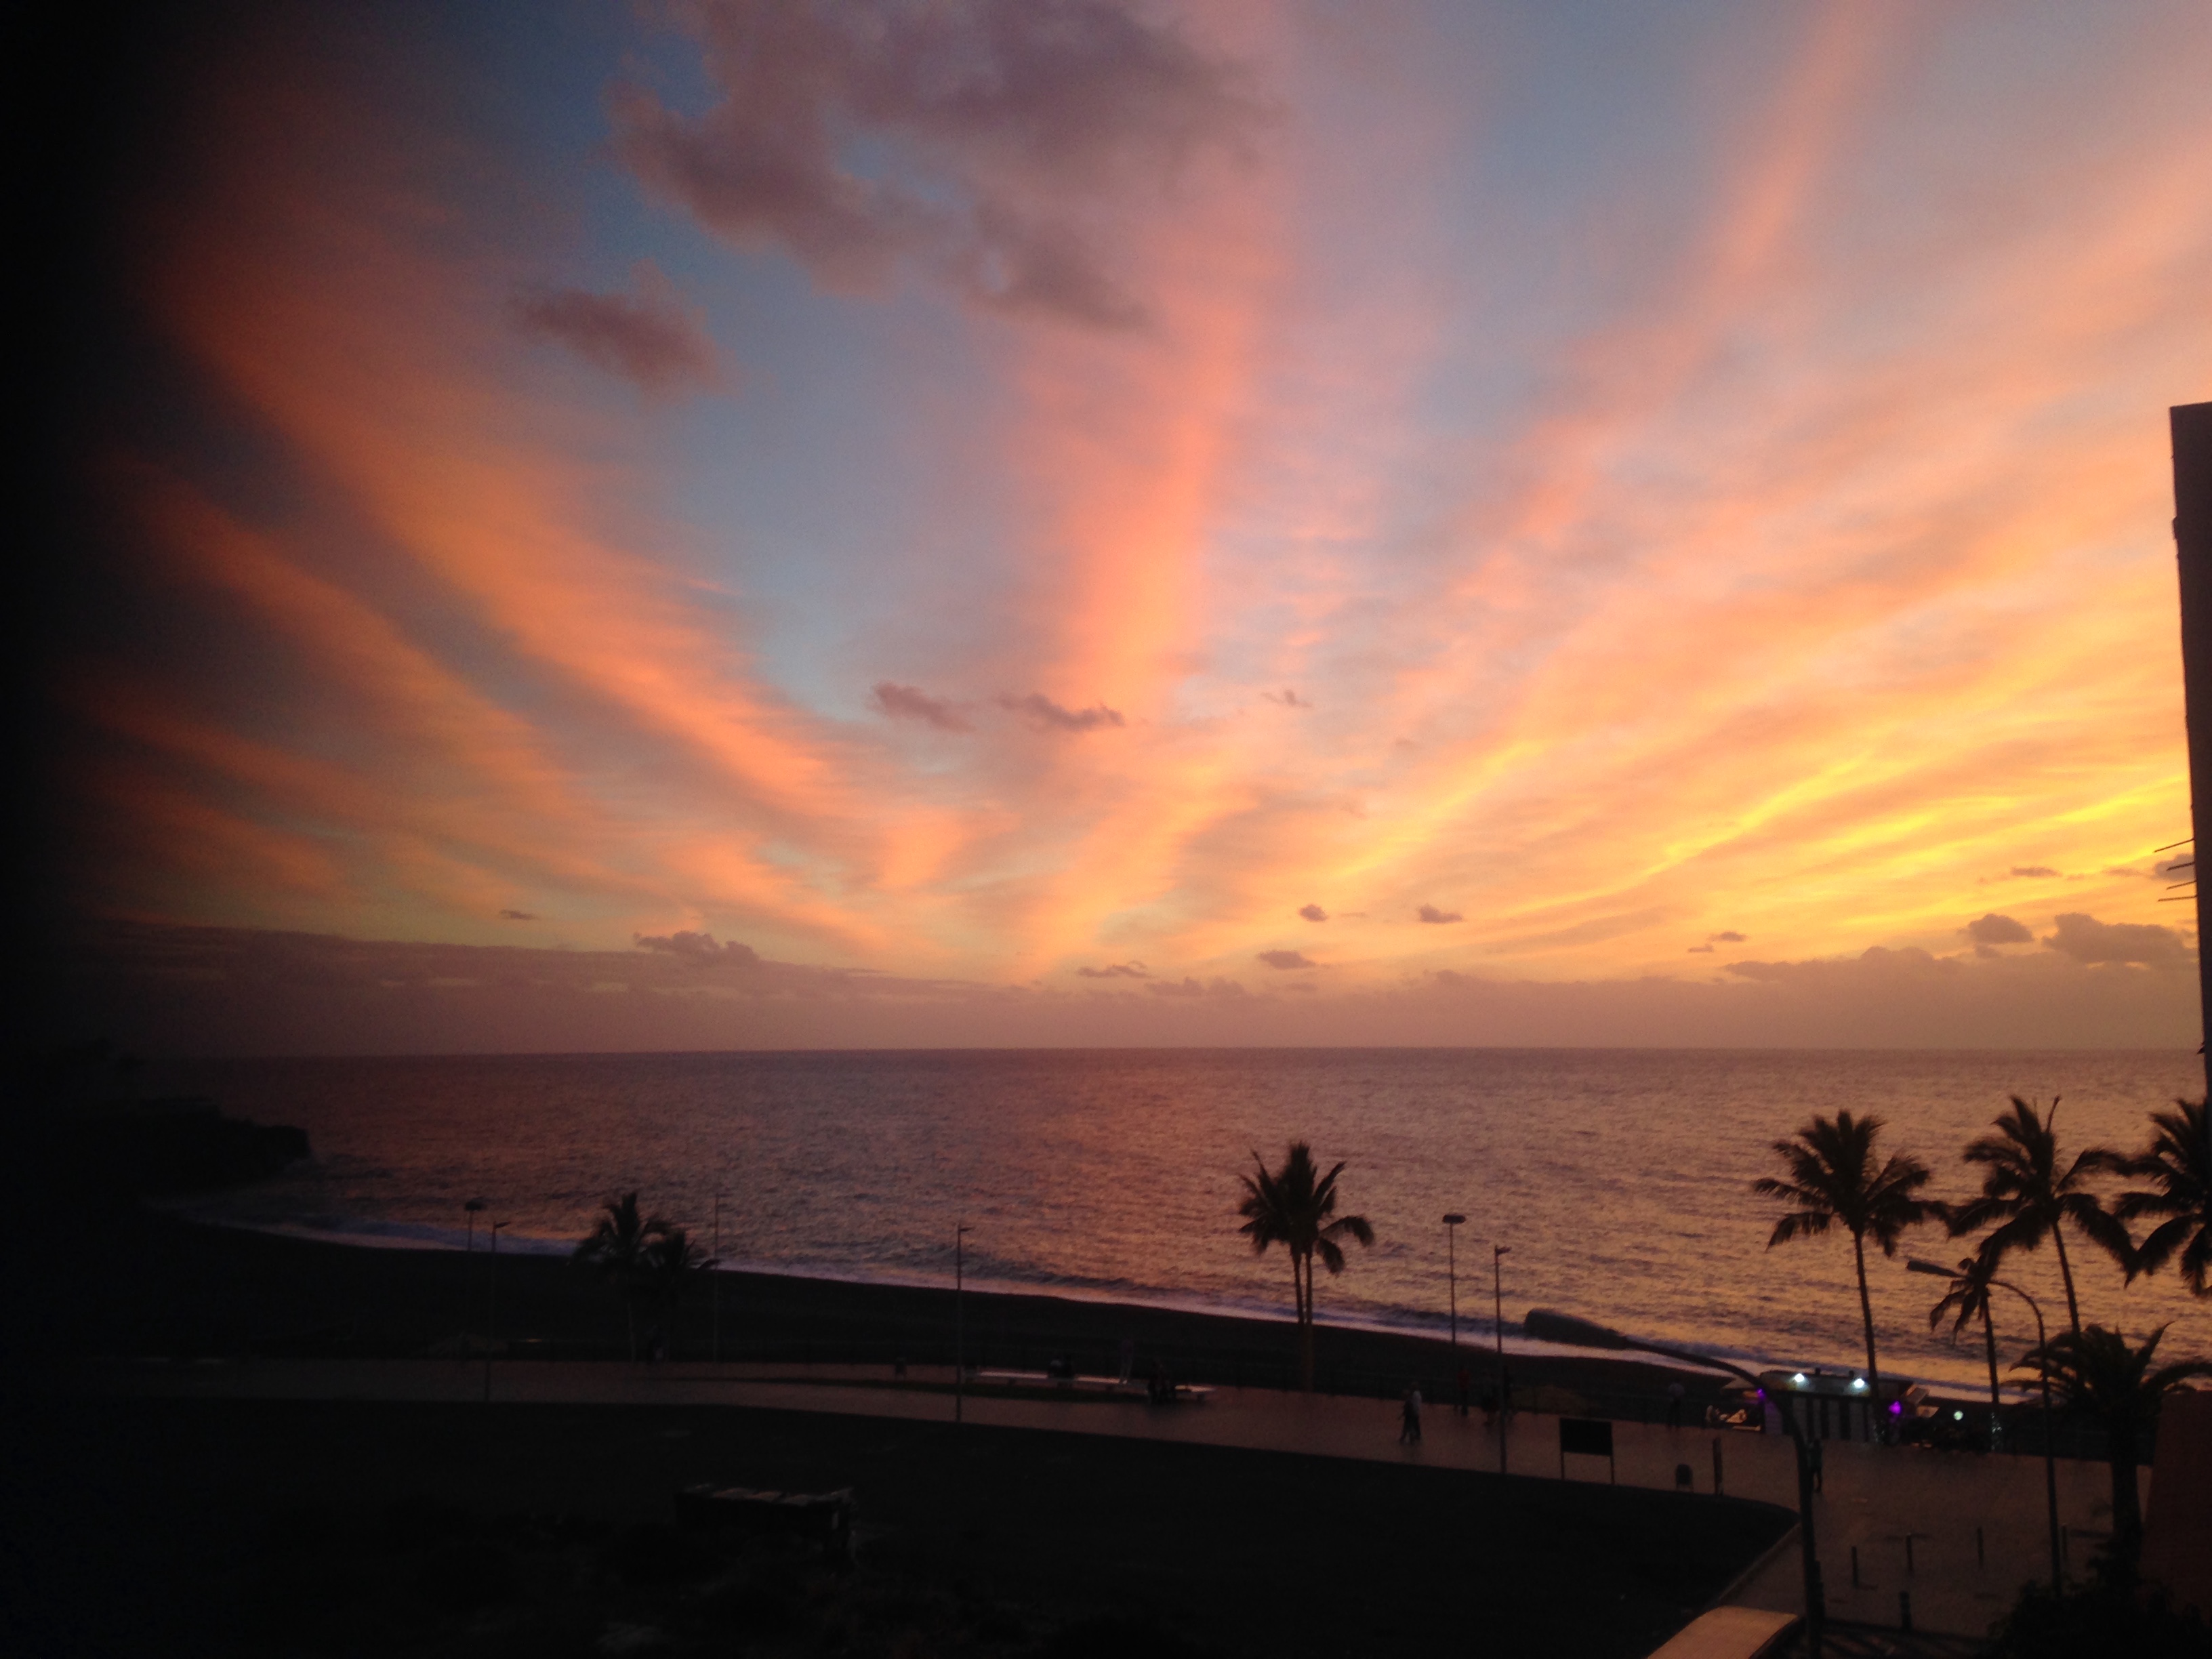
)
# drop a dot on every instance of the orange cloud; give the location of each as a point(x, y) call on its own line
point(1792, 560)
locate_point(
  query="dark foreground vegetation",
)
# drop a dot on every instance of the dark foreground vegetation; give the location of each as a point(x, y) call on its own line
point(206, 1528)
point(2111, 1617)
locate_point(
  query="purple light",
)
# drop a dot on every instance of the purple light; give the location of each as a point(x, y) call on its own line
point(1897, 1408)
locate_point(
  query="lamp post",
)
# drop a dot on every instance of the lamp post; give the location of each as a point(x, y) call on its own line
point(1497, 1254)
point(491, 1307)
point(468, 1209)
point(714, 1285)
point(1451, 1259)
point(1550, 1326)
point(1914, 1265)
point(959, 1322)
point(1961, 1278)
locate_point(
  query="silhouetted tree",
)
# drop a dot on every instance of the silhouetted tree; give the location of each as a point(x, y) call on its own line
point(2031, 1198)
point(1833, 1179)
point(2098, 1375)
point(2177, 1163)
point(620, 1249)
point(1295, 1206)
point(672, 1266)
point(1969, 1298)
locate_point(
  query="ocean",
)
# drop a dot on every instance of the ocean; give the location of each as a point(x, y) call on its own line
point(1617, 1182)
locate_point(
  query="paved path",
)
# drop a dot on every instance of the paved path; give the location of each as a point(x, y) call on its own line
point(1874, 1497)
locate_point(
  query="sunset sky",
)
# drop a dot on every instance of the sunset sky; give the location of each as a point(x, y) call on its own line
point(1041, 520)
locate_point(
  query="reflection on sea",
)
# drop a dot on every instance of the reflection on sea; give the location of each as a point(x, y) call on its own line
point(1621, 1179)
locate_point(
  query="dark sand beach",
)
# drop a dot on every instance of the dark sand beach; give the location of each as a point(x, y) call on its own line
point(150, 1284)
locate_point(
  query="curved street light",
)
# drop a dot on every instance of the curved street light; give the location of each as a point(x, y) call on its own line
point(1497, 1254)
point(1936, 1270)
point(1452, 1221)
point(960, 1320)
point(1548, 1327)
point(491, 1307)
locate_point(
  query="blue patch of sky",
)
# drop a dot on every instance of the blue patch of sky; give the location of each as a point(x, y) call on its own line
point(797, 489)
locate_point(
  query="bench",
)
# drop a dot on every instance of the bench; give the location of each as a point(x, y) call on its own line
point(1135, 1388)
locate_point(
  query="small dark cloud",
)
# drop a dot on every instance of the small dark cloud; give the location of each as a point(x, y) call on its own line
point(2036, 872)
point(696, 947)
point(1312, 912)
point(517, 916)
point(1700, 951)
point(1730, 937)
point(906, 703)
point(652, 340)
point(1287, 698)
point(2087, 939)
point(1043, 715)
point(1994, 929)
point(1187, 988)
point(1116, 970)
point(1287, 959)
point(997, 132)
point(1430, 914)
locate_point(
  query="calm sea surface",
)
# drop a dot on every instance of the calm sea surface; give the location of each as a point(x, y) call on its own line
point(1619, 1180)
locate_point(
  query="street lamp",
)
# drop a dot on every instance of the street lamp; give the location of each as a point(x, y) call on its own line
point(1548, 1327)
point(1962, 1279)
point(959, 1322)
point(714, 1285)
point(1914, 1265)
point(470, 1209)
point(491, 1307)
point(1451, 1258)
point(1497, 1254)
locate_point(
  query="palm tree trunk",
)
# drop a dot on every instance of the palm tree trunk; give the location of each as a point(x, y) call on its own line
point(629, 1317)
point(1989, 1339)
point(2066, 1273)
point(1866, 1313)
point(2127, 1503)
point(1305, 1341)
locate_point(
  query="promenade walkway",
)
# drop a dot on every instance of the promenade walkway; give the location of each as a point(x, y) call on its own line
point(1874, 1500)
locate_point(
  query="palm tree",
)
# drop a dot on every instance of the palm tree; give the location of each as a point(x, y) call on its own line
point(620, 1248)
point(1968, 1298)
point(2177, 1163)
point(2025, 1194)
point(1295, 1207)
point(671, 1266)
point(2098, 1375)
point(1834, 1178)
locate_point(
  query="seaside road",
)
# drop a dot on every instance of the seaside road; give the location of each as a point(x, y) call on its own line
point(1876, 1497)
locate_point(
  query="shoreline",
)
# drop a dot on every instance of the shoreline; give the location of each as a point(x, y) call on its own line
point(1519, 1350)
point(189, 1288)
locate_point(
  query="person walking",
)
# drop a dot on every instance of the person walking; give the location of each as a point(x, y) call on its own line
point(1409, 1417)
point(1674, 1405)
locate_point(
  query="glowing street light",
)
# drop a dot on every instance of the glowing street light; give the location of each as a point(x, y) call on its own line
point(1936, 1270)
point(1548, 1327)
